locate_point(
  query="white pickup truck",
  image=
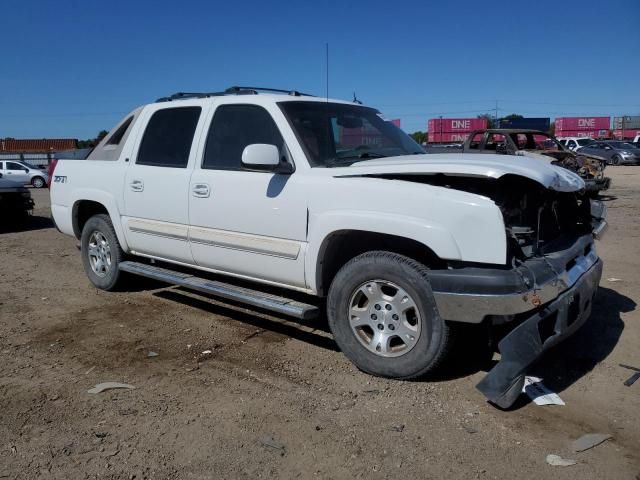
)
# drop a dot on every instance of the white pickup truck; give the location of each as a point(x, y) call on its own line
point(324, 197)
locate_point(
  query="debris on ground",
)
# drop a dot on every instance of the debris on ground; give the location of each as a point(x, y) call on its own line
point(397, 428)
point(540, 394)
point(558, 461)
point(632, 379)
point(90, 370)
point(588, 441)
point(269, 442)
point(613, 279)
point(102, 387)
point(152, 354)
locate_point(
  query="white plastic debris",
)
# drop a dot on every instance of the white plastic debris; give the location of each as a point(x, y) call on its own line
point(540, 394)
point(558, 461)
point(207, 352)
point(152, 354)
point(101, 387)
point(613, 279)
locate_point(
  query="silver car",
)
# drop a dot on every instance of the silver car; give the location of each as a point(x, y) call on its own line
point(22, 172)
point(614, 152)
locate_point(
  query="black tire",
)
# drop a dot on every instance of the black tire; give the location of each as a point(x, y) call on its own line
point(615, 160)
point(435, 338)
point(101, 225)
point(38, 182)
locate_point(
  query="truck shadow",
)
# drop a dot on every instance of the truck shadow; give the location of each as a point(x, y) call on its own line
point(561, 366)
point(579, 354)
point(27, 224)
point(315, 332)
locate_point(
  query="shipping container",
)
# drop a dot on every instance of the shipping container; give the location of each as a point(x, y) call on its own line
point(629, 134)
point(447, 137)
point(541, 124)
point(583, 123)
point(630, 122)
point(600, 134)
point(455, 125)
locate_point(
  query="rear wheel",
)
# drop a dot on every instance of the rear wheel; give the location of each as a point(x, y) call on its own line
point(383, 316)
point(101, 252)
point(38, 182)
point(615, 160)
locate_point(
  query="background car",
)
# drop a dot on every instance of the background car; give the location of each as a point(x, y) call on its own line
point(614, 152)
point(15, 201)
point(22, 172)
point(575, 143)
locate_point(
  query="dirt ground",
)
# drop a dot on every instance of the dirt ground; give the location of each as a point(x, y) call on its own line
point(274, 398)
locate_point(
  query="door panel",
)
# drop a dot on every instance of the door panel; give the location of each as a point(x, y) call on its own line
point(156, 189)
point(15, 171)
point(248, 223)
point(252, 224)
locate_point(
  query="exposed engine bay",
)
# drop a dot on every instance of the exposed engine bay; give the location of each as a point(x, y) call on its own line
point(537, 220)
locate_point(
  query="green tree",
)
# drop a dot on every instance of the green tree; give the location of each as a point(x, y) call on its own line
point(419, 137)
point(491, 123)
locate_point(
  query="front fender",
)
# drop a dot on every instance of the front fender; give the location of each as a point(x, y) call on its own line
point(323, 226)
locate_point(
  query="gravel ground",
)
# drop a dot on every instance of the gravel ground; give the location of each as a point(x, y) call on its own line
point(274, 398)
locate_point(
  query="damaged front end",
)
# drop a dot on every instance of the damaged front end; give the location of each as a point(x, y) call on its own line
point(589, 167)
point(545, 291)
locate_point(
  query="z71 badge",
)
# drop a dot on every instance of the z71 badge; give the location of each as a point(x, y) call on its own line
point(59, 179)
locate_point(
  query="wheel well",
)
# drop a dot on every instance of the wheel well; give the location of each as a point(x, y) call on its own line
point(342, 246)
point(83, 210)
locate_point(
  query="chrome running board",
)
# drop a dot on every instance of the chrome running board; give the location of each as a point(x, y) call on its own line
point(255, 298)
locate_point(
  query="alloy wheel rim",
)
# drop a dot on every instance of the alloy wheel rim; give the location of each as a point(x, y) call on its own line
point(99, 252)
point(384, 318)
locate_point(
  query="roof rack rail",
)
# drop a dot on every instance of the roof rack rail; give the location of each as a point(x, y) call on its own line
point(184, 95)
point(235, 90)
point(255, 90)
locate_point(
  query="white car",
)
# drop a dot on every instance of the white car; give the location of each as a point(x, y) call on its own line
point(327, 199)
point(22, 172)
point(575, 143)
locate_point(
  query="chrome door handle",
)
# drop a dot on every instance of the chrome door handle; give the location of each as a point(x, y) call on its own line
point(137, 185)
point(201, 190)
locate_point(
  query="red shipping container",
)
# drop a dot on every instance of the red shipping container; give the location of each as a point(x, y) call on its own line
point(447, 137)
point(629, 134)
point(583, 123)
point(583, 133)
point(455, 125)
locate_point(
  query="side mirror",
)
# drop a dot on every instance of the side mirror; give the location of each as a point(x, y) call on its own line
point(26, 170)
point(262, 156)
point(501, 148)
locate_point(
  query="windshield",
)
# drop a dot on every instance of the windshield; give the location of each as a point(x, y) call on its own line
point(334, 134)
point(28, 165)
point(584, 141)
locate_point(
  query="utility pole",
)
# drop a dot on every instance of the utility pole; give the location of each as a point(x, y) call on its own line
point(495, 118)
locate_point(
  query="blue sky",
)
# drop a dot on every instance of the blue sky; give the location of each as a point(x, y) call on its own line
point(73, 67)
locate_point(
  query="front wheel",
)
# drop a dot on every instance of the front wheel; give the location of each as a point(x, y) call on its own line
point(616, 160)
point(101, 252)
point(384, 318)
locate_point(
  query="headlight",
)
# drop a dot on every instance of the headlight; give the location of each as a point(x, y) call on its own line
point(624, 152)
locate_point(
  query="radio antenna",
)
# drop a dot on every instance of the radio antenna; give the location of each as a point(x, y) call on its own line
point(326, 61)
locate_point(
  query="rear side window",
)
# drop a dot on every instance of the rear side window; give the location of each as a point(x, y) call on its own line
point(116, 138)
point(168, 137)
point(233, 128)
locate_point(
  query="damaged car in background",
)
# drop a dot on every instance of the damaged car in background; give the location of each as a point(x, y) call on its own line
point(537, 144)
point(16, 203)
point(348, 217)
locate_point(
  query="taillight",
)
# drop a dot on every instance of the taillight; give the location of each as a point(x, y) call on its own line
point(52, 168)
